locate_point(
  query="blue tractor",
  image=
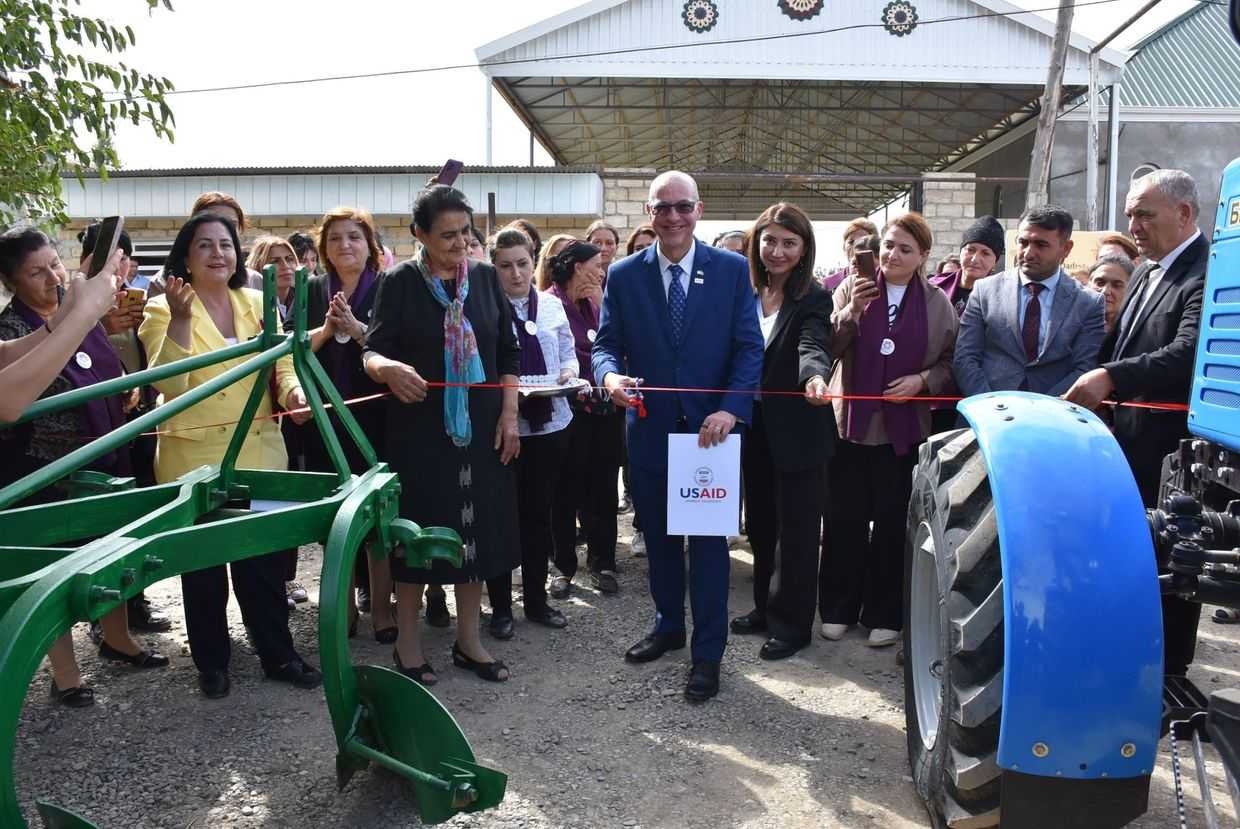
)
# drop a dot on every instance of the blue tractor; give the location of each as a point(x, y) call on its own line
point(1034, 687)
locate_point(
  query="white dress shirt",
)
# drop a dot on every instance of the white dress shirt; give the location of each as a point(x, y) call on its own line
point(1164, 265)
point(686, 265)
point(556, 339)
point(1046, 299)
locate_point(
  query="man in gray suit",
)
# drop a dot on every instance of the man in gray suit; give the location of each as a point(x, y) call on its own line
point(1034, 327)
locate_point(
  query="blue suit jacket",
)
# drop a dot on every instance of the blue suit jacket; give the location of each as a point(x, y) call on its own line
point(721, 347)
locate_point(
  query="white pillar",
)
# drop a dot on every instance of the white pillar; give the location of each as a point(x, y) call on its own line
point(490, 145)
point(1113, 159)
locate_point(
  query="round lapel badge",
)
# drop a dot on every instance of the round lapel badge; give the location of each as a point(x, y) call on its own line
point(591, 335)
point(531, 327)
point(83, 360)
point(888, 347)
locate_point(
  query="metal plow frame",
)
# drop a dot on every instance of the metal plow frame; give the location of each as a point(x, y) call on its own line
point(76, 560)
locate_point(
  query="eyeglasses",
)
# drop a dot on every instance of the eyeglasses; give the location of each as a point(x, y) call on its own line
point(661, 208)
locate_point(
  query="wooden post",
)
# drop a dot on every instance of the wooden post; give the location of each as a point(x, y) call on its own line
point(1040, 164)
point(490, 214)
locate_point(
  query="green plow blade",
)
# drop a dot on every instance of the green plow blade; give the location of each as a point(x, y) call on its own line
point(403, 728)
point(55, 817)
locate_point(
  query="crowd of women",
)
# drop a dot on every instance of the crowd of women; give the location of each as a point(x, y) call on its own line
point(439, 345)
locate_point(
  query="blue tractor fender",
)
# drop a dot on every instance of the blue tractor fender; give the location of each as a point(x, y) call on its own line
point(1083, 635)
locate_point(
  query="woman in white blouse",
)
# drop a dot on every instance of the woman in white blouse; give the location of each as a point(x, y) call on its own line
point(547, 350)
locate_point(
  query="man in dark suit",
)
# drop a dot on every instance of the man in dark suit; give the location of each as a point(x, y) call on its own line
point(681, 314)
point(1032, 328)
point(1148, 356)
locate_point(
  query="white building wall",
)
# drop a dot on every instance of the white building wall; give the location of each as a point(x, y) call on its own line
point(518, 193)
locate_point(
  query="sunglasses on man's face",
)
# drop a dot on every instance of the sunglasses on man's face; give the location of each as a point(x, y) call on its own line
point(662, 208)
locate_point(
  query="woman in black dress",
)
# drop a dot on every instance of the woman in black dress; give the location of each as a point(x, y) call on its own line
point(443, 319)
point(340, 304)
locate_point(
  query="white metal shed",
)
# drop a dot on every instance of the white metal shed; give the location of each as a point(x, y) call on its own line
point(838, 99)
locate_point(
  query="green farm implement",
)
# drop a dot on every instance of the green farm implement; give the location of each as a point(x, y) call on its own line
point(75, 560)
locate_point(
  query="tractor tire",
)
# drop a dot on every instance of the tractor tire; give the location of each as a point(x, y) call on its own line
point(953, 634)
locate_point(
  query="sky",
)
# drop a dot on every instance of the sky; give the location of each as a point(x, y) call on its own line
point(415, 119)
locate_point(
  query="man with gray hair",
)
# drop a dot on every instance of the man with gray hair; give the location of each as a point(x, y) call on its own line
point(1148, 355)
point(680, 315)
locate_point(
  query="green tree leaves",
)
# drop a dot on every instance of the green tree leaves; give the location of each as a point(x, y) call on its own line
point(59, 105)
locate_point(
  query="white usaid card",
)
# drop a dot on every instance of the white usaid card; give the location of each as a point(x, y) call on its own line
point(703, 486)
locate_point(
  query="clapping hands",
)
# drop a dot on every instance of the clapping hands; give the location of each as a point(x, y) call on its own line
point(340, 318)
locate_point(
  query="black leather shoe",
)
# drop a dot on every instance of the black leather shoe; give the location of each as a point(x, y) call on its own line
point(145, 618)
point(437, 615)
point(703, 681)
point(604, 581)
point(142, 659)
point(547, 616)
point(751, 622)
point(654, 646)
point(214, 684)
point(501, 626)
point(774, 648)
point(296, 673)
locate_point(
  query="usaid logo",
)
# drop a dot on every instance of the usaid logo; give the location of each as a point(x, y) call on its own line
point(702, 491)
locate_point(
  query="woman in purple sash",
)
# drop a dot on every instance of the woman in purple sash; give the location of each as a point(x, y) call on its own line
point(339, 304)
point(894, 338)
point(31, 269)
point(547, 351)
point(596, 442)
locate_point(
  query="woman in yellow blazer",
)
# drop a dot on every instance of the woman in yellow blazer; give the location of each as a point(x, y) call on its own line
point(215, 312)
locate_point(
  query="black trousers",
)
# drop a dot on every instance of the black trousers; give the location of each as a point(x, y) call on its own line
point(538, 476)
point(588, 482)
point(783, 514)
point(258, 584)
point(861, 577)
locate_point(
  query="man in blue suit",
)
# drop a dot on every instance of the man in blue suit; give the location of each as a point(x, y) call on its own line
point(680, 314)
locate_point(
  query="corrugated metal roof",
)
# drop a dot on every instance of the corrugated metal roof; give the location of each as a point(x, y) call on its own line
point(1168, 69)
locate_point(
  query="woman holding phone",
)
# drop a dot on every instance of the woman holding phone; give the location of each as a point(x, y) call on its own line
point(31, 269)
point(894, 338)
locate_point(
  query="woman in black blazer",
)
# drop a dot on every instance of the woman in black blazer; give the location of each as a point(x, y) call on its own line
point(785, 456)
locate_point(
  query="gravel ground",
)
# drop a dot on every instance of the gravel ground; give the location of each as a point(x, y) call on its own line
point(587, 740)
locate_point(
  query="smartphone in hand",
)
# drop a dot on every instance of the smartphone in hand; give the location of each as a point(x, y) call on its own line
point(105, 244)
point(865, 264)
point(449, 172)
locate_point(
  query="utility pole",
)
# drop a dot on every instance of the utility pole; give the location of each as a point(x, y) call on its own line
point(1040, 164)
